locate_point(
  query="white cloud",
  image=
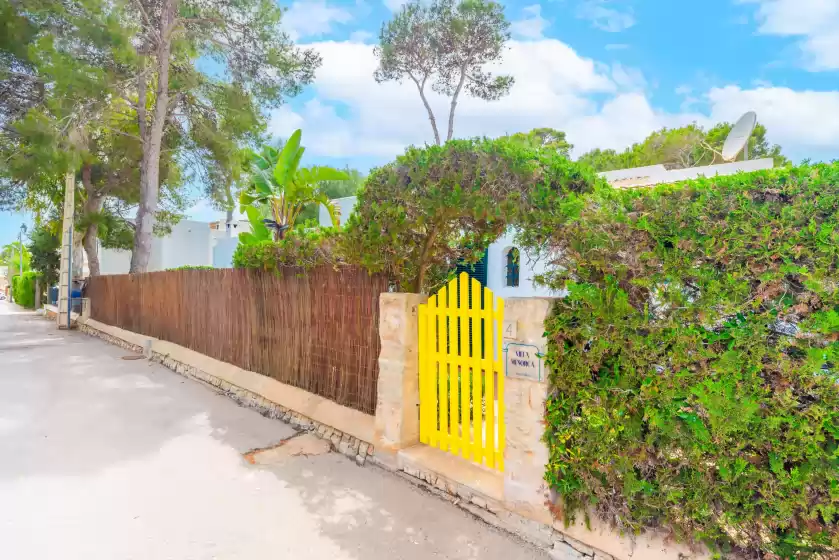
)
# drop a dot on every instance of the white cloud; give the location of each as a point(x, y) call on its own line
point(394, 5)
point(604, 17)
point(802, 121)
point(310, 18)
point(361, 36)
point(598, 105)
point(815, 21)
point(553, 88)
point(532, 25)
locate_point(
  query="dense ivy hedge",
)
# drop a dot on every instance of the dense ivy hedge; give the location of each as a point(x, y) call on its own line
point(695, 361)
point(23, 288)
point(303, 246)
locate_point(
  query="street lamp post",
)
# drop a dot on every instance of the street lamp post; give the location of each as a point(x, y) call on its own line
point(20, 241)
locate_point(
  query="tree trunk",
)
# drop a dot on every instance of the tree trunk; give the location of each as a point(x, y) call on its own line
point(421, 88)
point(229, 217)
point(454, 103)
point(152, 142)
point(92, 207)
point(91, 234)
point(78, 255)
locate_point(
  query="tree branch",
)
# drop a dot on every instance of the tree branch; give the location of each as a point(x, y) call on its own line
point(431, 118)
point(121, 133)
point(454, 101)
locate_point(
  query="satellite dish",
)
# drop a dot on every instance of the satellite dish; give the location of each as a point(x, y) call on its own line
point(738, 138)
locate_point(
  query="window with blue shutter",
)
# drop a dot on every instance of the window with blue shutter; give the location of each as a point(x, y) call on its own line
point(513, 268)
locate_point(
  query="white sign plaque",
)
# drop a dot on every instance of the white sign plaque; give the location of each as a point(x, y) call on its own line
point(524, 361)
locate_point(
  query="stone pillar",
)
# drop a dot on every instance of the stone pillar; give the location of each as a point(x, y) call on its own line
point(397, 405)
point(525, 454)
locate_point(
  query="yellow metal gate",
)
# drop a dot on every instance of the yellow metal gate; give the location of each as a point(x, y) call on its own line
point(461, 377)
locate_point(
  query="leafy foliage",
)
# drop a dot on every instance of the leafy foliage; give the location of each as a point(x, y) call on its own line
point(23, 289)
point(694, 361)
point(548, 138)
point(439, 206)
point(301, 247)
point(678, 148)
point(280, 187)
point(45, 248)
point(333, 190)
point(192, 267)
point(10, 256)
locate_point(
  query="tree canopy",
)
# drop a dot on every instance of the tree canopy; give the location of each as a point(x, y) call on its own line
point(445, 44)
point(439, 206)
point(184, 82)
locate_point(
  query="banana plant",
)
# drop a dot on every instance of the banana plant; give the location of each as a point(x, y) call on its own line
point(279, 185)
point(259, 231)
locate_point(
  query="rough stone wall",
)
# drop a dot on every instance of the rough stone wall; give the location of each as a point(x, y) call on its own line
point(526, 455)
point(397, 405)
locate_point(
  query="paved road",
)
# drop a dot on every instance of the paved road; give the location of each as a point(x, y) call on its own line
point(104, 458)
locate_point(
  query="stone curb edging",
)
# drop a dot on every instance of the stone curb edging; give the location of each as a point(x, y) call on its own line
point(87, 329)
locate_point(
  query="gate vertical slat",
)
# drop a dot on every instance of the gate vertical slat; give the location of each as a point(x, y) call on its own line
point(442, 358)
point(489, 352)
point(451, 358)
point(435, 371)
point(499, 319)
point(465, 362)
point(477, 372)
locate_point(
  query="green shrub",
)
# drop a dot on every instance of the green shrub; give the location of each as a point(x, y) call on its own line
point(695, 361)
point(439, 206)
point(301, 247)
point(23, 289)
point(192, 267)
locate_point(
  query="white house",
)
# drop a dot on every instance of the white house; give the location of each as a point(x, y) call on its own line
point(510, 272)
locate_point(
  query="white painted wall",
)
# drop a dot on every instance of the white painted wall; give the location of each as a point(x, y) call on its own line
point(657, 174)
point(528, 268)
point(189, 243)
point(223, 252)
point(345, 205)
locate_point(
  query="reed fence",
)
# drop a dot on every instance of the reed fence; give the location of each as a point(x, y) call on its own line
point(316, 329)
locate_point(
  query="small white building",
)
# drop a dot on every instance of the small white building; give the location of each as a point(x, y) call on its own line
point(189, 243)
point(511, 273)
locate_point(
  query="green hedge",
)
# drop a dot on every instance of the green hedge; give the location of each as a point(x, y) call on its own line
point(303, 247)
point(23, 289)
point(695, 361)
point(192, 267)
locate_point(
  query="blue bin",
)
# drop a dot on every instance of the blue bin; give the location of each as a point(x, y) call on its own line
point(76, 299)
point(54, 295)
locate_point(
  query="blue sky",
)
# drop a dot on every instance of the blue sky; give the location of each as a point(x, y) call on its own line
point(608, 72)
